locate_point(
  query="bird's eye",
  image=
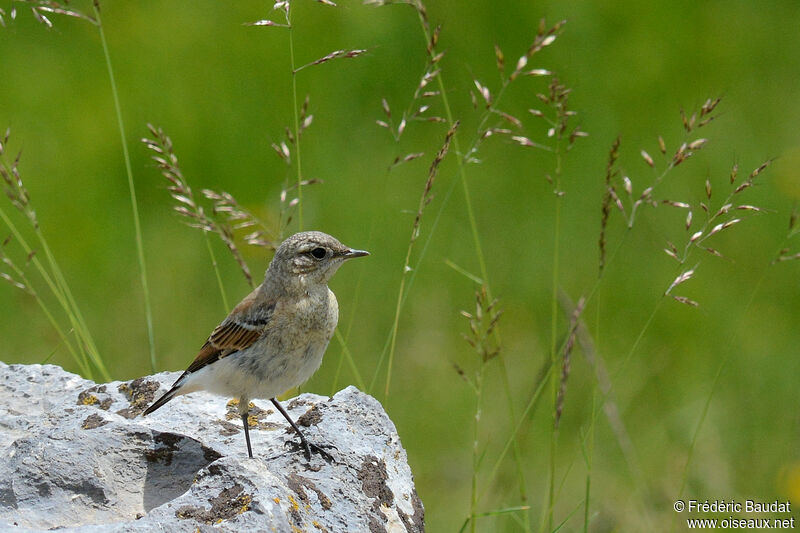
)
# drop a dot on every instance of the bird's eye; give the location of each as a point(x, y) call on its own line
point(319, 253)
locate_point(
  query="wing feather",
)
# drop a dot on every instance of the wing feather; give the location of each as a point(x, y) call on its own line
point(243, 327)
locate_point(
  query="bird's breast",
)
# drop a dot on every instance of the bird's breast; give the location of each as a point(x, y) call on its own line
point(297, 323)
point(291, 348)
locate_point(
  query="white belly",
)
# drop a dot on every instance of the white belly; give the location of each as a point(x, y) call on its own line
point(258, 376)
point(284, 357)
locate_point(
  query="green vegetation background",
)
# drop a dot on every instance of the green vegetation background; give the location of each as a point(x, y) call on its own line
point(222, 91)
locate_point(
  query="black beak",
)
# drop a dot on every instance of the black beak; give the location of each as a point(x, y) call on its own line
point(349, 254)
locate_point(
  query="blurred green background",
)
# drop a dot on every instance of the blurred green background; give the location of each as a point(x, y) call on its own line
point(222, 91)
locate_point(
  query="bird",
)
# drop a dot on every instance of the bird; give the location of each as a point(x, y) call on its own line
point(274, 339)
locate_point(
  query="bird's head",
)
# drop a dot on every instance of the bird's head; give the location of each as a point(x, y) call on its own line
point(309, 258)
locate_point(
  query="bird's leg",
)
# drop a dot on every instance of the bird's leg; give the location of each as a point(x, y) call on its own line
point(307, 446)
point(244, 412)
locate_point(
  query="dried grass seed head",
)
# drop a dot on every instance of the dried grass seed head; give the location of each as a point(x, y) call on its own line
point(566, 358)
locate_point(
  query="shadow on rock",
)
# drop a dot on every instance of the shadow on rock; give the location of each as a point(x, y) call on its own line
point(172, 464)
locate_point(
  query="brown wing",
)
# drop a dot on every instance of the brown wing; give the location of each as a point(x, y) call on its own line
point(232, 335)
point(238, 331)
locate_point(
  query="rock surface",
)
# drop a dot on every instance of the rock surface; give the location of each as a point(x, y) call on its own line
point(79, 457)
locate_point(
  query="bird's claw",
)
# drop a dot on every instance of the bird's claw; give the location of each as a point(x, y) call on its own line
point(309, 447)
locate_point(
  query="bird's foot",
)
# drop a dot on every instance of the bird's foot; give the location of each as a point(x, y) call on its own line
point(309, 447)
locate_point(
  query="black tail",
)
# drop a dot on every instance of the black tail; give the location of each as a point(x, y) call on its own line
point(170, 394)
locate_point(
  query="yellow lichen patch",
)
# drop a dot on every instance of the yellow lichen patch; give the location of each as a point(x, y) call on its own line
point(276, 500)
point(89, 399)
point(232, 408)
point(294, 503)
point(138, 401)
point(245, 501)
point(234, 402)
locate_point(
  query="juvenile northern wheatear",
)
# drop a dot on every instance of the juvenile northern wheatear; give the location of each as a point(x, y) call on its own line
point(275, 338)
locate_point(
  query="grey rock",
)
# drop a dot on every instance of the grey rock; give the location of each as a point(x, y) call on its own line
point(80, 458)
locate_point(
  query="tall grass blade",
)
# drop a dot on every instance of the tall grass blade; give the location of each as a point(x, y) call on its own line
point(132, 191)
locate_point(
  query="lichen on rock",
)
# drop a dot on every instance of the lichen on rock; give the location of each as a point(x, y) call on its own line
point(81, 459)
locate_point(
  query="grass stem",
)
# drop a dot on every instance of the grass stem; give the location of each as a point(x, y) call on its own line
point(60, 290)
point(82, 361)
point(554, 362)
point(74, 312)
point(132, 191)
point(473, 508)
point(297, 159)
point(713, 389)
point(217, 273)
point(484, 274)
